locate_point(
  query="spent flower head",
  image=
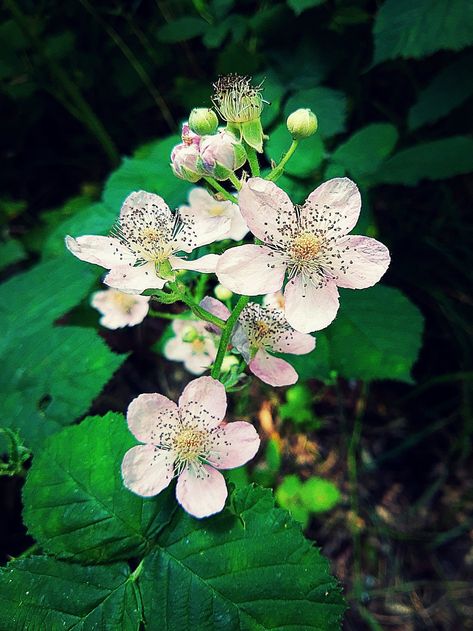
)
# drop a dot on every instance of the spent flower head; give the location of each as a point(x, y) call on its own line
point(236, 100)
point(189, 441)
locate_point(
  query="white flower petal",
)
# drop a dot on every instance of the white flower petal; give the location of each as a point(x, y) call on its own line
point(362, 262)
point(310, 307)
point(334, 207)
point(201, 491)
point(107, 252)
point(204, 400)
point(134, 280)
point(147, 470)
point(251, 270)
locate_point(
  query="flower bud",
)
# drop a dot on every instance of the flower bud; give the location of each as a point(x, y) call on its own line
point(222, 293)
point(189, 334)
point(188, 136)
point(203, 121)
point(228, 362)
point(221, 155)
point(302, 123)
point(184, 162)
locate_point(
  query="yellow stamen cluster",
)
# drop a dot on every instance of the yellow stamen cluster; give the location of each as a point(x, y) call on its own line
point(190, 444)
point(304, 248)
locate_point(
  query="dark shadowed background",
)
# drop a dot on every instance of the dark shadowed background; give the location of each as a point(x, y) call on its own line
point(83, 84)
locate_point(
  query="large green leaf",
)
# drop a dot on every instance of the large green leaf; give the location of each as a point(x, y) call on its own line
point(434, 160)
point(74, 498)
point(377, 334)
point(182, 29)
point(307, 157)
point(404, 28)
point(148, 170)
point(366, 149)
point(42, 594)
point(49, 379)
point(247, 568)
point(449, 89)
point(93, 219)
point(11, 251)
point(328, 105)
point(34, 299)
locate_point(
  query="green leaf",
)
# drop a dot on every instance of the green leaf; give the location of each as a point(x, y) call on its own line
point(314, 365)
point(49, 379)
point(11, 251)
point(149, 170)
point(436, 160)
point(93, 219)
point(252, 133)
point(449, 89)
point(377, 335)
point(44, 594)
point(75, 504)
point(319, 495)
point(49, 290)
point(288, 496)
point(366, 149)
point(182, 29)
point(246, 568)
point(298, 6)
point(307, 158)
point(415, 29)
point(328, 105)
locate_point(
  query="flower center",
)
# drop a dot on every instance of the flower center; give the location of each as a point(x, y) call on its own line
point(198, 345)
point(261, 329)
point(124, 301)
point(304, 248)
point(190, 444)
point(216, 211)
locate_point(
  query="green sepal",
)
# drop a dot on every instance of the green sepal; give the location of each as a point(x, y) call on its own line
point(253, 135)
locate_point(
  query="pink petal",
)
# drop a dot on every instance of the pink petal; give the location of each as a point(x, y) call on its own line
point(272, 370)
point(205, 264)
point(234, 444)
point(294, 343)
point(251, 270)
point(363, 261)
point(150, 203)
point(147, 470)
point(310, 307)
point(104, 251)
point(266, 209)
point(152, 416)
point(238, 228)
point(201, 492)
point(334, 205)
point(215, 307)
point(204, 400)
point(198, 364)
point(134, 280)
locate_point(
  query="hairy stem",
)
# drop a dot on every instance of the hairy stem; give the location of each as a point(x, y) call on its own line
point(226, 333)
point(218, 187)
point(279, 168)
point(235, 181)
point(252, 160)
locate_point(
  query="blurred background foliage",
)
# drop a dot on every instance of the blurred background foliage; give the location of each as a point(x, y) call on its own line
point(371, 450)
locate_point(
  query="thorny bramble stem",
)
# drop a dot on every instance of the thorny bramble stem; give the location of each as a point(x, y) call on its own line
point(226, 333)
point(218, 187)
point(279, 168)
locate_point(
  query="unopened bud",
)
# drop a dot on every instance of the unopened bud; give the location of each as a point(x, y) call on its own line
point(302, 123)
point(228, 362)
point(221, 155)
point(203, 121)
point(184, 160)
point(222, 293)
